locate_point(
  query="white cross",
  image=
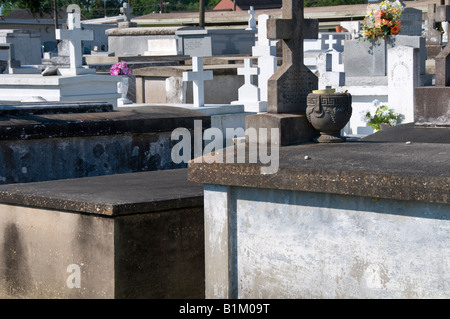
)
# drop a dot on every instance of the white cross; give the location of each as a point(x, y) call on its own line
point(248, 91)
point(330, 42)
point(251, 20)
point(266, 51)
point(198, 76)
point(248, 71)
point(75, 35)
point(126, 10)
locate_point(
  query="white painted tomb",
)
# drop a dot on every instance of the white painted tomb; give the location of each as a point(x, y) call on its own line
point(76, 83)
point(90, 87)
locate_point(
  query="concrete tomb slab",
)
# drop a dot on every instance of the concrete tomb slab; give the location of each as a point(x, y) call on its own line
point(106, 237)
point(38, 145)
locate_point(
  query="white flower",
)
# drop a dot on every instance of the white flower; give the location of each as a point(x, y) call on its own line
point(386, 113)
point(376, 103)
point(363, 116)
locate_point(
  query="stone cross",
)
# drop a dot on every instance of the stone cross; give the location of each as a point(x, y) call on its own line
point(198, 77)
point(251, 20)
point(266, 51)
point(126, 10)
point(331, 40)
point(248, 91)
point(75, 36)
point(293, 81)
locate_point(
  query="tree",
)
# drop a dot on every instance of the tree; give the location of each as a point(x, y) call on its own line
point(89, 8)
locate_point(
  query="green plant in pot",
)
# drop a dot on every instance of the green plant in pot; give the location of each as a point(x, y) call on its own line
point(382, 117)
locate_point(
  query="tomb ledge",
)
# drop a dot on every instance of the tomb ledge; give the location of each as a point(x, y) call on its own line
point(109, 195)
point(400, 168)
point(126, 120)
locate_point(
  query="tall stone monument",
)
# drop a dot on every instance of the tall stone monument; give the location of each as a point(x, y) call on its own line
point(431, 106)
point(126, 11)
point(289, 86)
point(75, 36)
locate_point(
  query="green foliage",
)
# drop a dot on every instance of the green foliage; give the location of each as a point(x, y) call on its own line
point(141, 7)
point(89, 8)
point(96, 8)
point(382, 115)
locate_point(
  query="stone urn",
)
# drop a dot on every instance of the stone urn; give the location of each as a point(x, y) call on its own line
point(328, 112)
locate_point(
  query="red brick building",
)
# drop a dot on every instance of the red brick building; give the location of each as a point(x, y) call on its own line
point(244, 5)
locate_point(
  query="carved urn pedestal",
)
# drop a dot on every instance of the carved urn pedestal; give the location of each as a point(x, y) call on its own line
point(328, 112)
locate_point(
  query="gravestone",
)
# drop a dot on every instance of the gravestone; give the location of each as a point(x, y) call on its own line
point(353, 27)
point(7, 55)
point(27, 45)
point(194, 41)
point(431, 107)
point(198, 76)
point(432, 35)
point(411, 21)
point(366, 61)
point(403, 77)
point(266, 51)
point(326, 41)
point(162, 47)
point(443, 16)
point(289, 86)
point(75, 35)
point(249, 93)
point(442, 75)
point(328, 70)
point(126, 10)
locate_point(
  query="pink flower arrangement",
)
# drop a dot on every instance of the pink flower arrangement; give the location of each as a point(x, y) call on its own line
point(120, 68)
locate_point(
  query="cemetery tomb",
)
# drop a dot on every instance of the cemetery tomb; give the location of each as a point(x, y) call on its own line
point(361, 219)
point(48, 141)
point(106, 237)
point(59, 83)
point(88, 87)
point(341, 224)
point(211, 97)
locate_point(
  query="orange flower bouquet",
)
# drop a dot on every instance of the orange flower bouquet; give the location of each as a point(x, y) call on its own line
point(383, 22)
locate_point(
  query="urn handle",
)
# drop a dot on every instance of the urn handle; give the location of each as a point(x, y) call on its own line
point(317, 108)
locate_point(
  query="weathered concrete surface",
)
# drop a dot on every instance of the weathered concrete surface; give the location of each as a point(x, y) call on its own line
point(136, 235)
point(416, 171)
point(41, 147)
point(271, 243)
point(361, 219)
